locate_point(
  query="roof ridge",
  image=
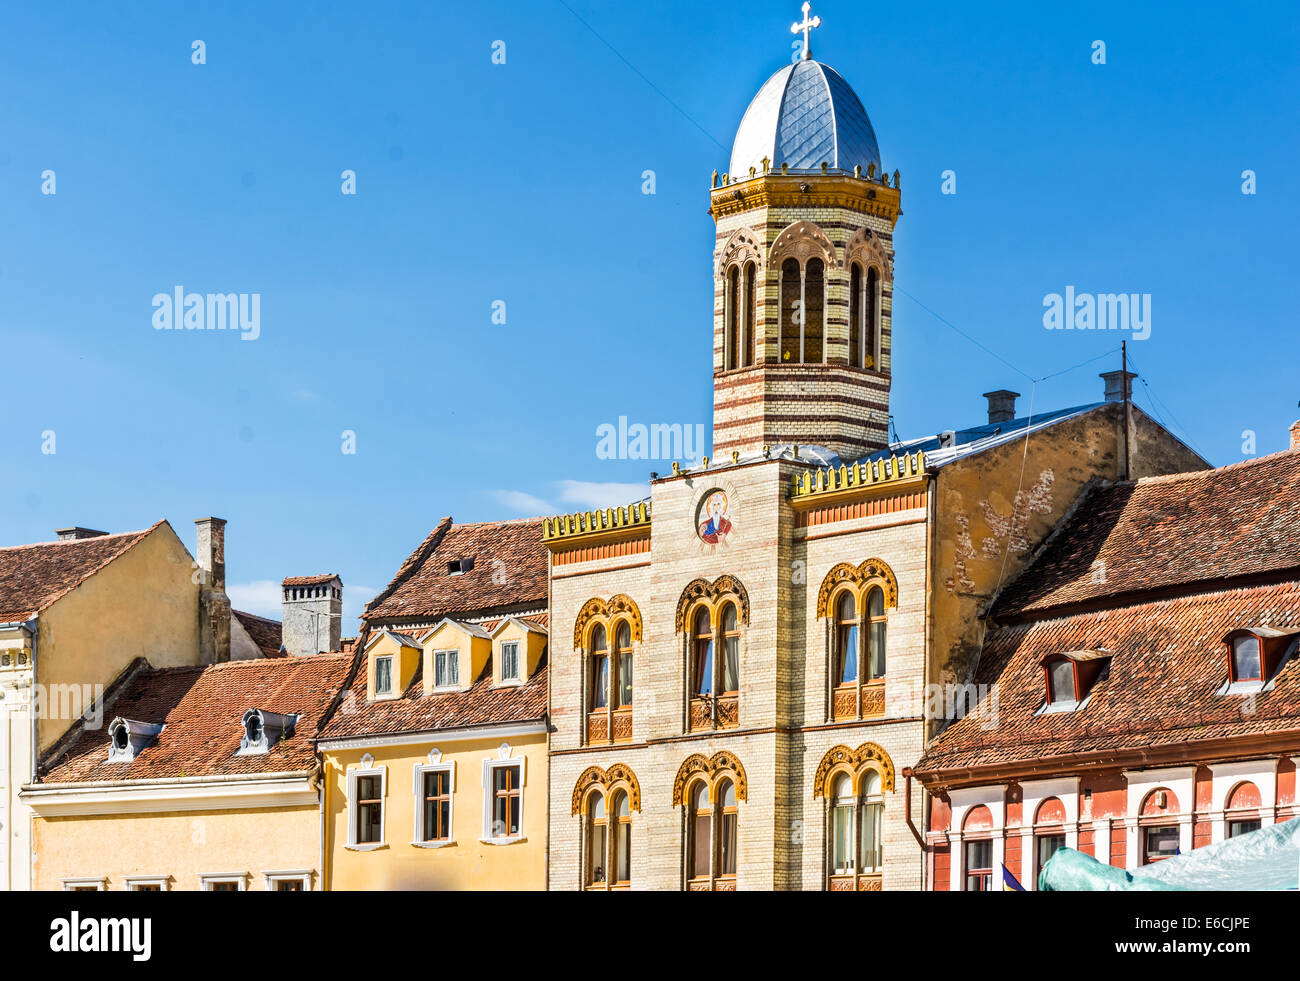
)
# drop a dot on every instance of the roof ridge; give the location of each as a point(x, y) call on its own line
point(1170, 478)
point(256, 616)
point(82, 541)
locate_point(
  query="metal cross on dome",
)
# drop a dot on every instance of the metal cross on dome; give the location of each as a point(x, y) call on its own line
point(806, 27)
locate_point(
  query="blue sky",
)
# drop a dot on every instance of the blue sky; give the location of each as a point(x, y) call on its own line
point(522, 182)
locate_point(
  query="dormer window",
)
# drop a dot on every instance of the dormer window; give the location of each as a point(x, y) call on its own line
point(127, 737)
point(1070, 678)
point(1255, 656)
point(446, 669)
point(263, 730)
point(458, 567)
point(510, 661)
point(383, 675)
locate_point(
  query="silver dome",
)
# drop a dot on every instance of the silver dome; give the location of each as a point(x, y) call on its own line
point(804, 115)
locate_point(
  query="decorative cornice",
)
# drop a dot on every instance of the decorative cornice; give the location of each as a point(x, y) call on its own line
point(712, 592)
point(832, 483)
point(870, 571)
point(619, 606)
point(720, 764)
point(841, 757)
point(61, 800)
point(618, 775)
point(600, 525)
point(775, 190)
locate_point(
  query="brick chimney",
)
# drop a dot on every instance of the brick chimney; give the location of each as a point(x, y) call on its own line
point(1117, 385)
point(214, 604)
point(1295, 435)
point(1002, 405)
point(76, 533)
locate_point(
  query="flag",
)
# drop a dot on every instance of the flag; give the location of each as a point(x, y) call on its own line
point(1009, 882)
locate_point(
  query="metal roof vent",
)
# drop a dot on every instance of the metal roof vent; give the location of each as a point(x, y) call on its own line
point(126, 737)
point(262, 730)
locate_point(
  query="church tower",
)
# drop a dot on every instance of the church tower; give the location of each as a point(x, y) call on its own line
point(803, 270)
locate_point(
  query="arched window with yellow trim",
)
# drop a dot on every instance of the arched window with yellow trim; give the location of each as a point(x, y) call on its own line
point(853, 784)
point(606, 635)
point(604, 801)
point(854, 601)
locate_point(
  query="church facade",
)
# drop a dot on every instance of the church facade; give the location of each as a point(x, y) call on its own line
point(745, 666)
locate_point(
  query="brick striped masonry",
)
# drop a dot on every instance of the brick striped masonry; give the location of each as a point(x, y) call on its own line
point(766, 219)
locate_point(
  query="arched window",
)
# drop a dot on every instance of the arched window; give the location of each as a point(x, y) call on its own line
point(876, 633)
point(702, 683)
point(605, 800)
point(846, 640)
point(857, 318)
point(730, 650)
point(623, 661)
point(599, 669)
point(622, 840)
point(713, 824)
point(792, 310)
point(854, 830)
point(814, 298)
point(871, 320)
point(597, 842)
point(751, 306)
point(734, 319)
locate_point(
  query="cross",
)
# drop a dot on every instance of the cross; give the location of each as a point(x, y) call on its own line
point(806, 26)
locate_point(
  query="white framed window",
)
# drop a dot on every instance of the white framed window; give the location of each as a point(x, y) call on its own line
point(446, 669)
point(147, 883)
point(383, 675)
point(367, 790)
point(434, 789)
point(510, 660)
point(224, 882)
point(290, 880)
point(86, 884)
point(503, 799)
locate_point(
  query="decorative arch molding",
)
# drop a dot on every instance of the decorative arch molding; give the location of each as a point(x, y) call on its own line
point(712, 593)
point(619, 605)
point(872, 570)
point(802, 240)
point(866, 248)
point(842, 758)
point(618, 776)
point(743, 246)
point(711, 769)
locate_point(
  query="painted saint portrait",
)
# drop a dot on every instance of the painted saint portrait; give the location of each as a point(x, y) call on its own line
point(714, 519)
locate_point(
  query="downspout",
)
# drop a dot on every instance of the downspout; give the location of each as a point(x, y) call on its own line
point(324, 802)
point(907, 791)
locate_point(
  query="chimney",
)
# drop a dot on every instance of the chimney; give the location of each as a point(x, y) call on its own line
point(214, 604)
point(1295, 435)
point(1116, 390)
point(311, 614)
point(1002, 405)
point(76, 533)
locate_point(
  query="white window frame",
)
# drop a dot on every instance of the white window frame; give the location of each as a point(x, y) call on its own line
point(453, 657)
point(417, 787)
point(100, 882)
point(302, 875)
point(490, 766)
point(353, 774)
point(240, 879)
point(131, 881)
point(516, 678)
point(392, 682)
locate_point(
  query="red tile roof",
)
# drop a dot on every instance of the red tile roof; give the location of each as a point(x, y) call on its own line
point(1168, 660)
point(309, 580)
point(34, 576)
point(266, 634)
point(479, 705)
point(201, 709)
point(509, 573)
point(1158, 532)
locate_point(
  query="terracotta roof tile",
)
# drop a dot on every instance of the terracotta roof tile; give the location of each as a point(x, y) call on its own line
point(201, 709)
point(1159, 532)
point(480, 704)
point(309, 580)
point(508, 573)
point(266, 634)
point(34, 576)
